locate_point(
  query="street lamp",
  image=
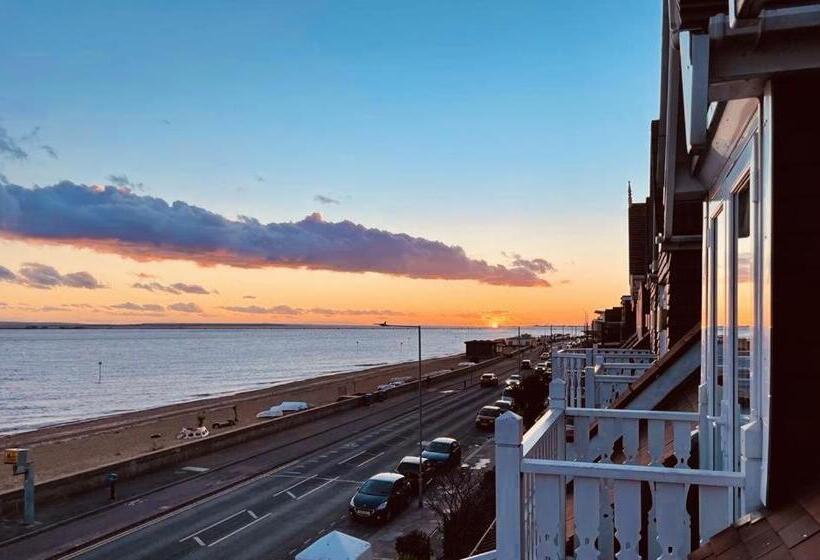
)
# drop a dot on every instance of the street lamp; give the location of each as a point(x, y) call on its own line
point(418, 328)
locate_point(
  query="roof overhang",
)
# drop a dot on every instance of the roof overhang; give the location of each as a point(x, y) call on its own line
point(735, 58)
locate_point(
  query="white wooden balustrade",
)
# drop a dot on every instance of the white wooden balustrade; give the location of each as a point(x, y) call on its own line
point(596, 377)
point(620, 508)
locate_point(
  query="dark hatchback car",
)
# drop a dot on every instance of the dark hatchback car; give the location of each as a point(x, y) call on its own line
point(380, 497)
point(409, 467)
point(487, 415)
point(443, 453)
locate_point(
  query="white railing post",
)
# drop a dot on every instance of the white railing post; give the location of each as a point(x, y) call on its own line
point(751, 460)
point(590, 397)
point(509, 429)
point(558, 402)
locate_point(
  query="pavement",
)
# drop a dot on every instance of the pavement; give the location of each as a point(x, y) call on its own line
point(272, 497)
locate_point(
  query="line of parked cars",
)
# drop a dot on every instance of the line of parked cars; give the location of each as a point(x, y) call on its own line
point(383, 495)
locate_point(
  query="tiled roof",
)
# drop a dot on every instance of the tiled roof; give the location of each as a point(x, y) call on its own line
point(791, 531)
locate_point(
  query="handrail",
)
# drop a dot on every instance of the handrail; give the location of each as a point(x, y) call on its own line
point(669, 415)
point(632, 472)
point(607, 378)
point(537, 431)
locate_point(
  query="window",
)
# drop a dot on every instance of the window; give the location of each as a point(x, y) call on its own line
point(744, 300)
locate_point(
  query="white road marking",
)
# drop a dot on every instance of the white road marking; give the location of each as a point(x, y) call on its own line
point(363, 463)
point(481, 464)
point(352, 457)
point(199, 541)
point(294, 485)
point(252, 514)
point(477, 449)
point(232, 533)
point(309, 492)
point(241, 511)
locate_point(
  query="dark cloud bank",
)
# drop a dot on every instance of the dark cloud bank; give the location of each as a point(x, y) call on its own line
point(148, 228)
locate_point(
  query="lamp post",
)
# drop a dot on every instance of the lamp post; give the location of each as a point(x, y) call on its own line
point(519, 350)
point(418, 328)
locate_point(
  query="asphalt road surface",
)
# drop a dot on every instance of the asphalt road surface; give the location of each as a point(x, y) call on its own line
point(282, 511)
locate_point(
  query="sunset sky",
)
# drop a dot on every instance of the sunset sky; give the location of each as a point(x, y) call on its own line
point(444, 163)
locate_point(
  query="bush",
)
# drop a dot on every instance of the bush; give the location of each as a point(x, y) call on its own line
point(464, 501)
point(414, 545)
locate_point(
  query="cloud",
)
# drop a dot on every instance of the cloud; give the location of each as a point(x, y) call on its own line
point(259, 179)
point(248, 297)
point(6, 275)
point(129, 306)
point(36, 275)
point(9, 147)
point(3, 179)
point(148, 228)
point(49, 150)
point(190, 288)
point(537, 266)
point(185, 307)
point(325, 199)
point(288, 310)
point(123, 182)
point(166, 121)
point(176, 288)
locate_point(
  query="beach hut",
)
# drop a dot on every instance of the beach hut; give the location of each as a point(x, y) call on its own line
point(337, 546)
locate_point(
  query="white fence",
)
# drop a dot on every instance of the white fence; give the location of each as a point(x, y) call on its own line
point(595, 377)
point(615, 500)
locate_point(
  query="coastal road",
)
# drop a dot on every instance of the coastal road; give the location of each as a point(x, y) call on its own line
point(281, 511)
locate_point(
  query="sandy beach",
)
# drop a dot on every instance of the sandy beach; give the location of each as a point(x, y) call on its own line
point(62, 450)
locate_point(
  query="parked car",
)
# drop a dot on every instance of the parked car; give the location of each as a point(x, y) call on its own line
point(504, 404)
point(526, 364)
point(514, 379)
point(380, 497)
point(466, 364)
point(507, 392)
point(443, 453)
point(409, 467)
point(487, 415)
point(488, 380)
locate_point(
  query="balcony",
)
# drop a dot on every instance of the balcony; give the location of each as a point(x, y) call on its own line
point(589, 482)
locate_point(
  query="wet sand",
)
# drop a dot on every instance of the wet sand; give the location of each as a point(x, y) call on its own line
point(66, 449)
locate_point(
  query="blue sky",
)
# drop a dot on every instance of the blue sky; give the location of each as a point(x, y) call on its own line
point(492, 125)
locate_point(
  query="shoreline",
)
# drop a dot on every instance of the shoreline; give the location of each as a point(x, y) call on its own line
point(159, 410)
point(63, 449)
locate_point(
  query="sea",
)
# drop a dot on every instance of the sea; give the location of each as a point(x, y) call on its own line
point(56, 376)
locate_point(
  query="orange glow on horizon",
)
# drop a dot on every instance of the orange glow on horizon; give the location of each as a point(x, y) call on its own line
point(311, 296)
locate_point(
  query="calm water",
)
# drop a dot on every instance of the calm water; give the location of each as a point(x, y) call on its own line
point(50, 376)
